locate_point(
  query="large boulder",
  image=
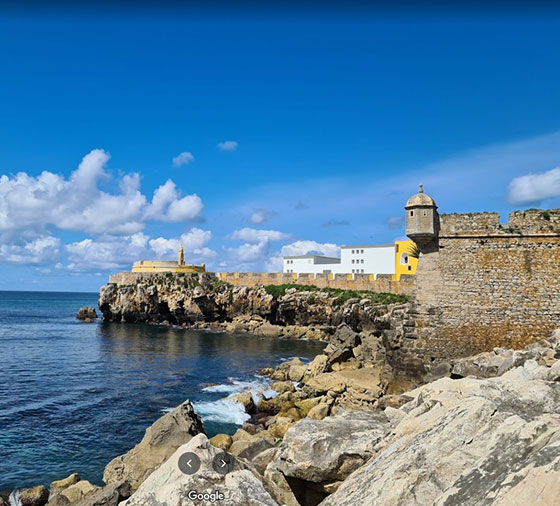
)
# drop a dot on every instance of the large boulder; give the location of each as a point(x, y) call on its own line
point(469, 442)
point(36, 496)
point(330, 449)
point(159, 443)
point(111, 495)
point(86, 313)
point(79, 491)
point(168, 486)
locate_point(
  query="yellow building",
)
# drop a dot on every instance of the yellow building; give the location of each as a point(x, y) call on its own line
point(405, 259)
point(147, 266)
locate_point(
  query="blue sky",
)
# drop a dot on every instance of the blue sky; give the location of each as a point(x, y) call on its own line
point(329, 124)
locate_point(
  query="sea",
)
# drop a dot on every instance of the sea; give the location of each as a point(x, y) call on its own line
point(75, 395)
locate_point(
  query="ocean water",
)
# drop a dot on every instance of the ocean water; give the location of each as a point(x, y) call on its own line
point(75, 395)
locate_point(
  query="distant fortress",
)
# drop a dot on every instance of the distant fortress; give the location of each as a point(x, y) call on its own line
point(153, 266)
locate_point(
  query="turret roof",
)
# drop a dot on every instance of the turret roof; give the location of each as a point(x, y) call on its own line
point(420, 199)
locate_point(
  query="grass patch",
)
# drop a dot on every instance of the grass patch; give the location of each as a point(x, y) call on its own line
point(340, 296)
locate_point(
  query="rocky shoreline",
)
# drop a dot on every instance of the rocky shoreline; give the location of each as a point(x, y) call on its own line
point(350, 427)
point(486, 432)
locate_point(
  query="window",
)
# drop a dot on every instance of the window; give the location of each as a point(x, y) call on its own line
point(410, 267)
point(362, 252)
point(362, 271)
point(362, 260)
point(411, 213)
point(352, 260)
point(352, 252)
point(425, 213)
point(352, 271)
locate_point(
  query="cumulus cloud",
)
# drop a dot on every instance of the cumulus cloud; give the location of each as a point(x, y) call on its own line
point(253, 235)
point(227, 146)
point(192, 241)
point(77, 203)
point(533, 188)
point(183, 158)
point(40, 250)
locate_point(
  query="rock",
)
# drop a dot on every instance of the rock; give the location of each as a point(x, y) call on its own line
point(242, 435)
point(246, 399)
point(36, 496)
point(58, 500)
point(394, 401)
point(467, 441)
point(283, 386)
point(78, 491)
point(247, 449)
point(57, 486)
point(168, 485)
point(296, 372)
point(317, 366)
point(329, 381)
point(160, 441)
point(262, 459)
point(319, 412)
point(3, 502)
point(222, 441)
point(111, 495)
point(305, 405)
point(278, 430)
point(394, 415)
point(330, 449)
point(268, 330)
point(86, 313)
point(284, 494)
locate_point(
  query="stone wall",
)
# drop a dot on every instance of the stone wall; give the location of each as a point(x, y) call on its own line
point(383, 283)
point(486, 284)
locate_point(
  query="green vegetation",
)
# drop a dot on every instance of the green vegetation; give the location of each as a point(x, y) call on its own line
point(545, 215)
point(218, 283)
point(340, 296)
point(414, 250)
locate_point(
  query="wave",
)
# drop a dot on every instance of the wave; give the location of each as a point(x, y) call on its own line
point(223, 411)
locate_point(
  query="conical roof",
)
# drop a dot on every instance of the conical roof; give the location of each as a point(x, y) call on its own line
point(420, 199)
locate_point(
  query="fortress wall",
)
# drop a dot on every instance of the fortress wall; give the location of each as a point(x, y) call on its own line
point(469, 223)
point(477, 293)
point(383, 282)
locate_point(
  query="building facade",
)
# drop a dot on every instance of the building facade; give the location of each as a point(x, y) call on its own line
point(373, 259)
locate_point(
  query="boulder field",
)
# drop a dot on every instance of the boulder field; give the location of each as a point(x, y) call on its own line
point(485, 433)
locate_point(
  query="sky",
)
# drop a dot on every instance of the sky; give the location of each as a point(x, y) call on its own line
point(249, 135)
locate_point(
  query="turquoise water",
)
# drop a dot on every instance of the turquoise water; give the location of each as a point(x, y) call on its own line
point(74, 395)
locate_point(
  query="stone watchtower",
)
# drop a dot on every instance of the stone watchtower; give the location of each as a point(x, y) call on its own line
point(422, 221)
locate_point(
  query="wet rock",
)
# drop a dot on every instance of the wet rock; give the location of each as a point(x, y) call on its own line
point(86, 313)
point(159, 442)
point(36, 496)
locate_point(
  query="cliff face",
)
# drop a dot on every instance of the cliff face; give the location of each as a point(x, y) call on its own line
point(202, 299)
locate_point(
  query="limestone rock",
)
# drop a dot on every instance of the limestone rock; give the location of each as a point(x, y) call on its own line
point(58, 500)
point(222, 441)
point(319, 412)
point(79, 490)
point(111, 495)
point(283, 386)
point(467, 441)
point(57, 486)
point(330, 449)
point(160, 441)
point(247, 449)
point(246, 399)
point(269, 330)
point(36, 496)
point(167, 485)
point(296, 372)
point(262, 459)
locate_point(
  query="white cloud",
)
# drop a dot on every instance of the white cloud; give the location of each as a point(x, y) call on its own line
point(77, 204)
point(192, 241)
point(533, 188)
point(227, 146)
point(255, 235)
point(248, 253)
point(106, 253)
point(183, 158)
point(40, 250)
point(167, 205)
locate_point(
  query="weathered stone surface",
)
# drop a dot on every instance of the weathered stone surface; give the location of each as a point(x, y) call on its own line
point(57, 486)
point(247, 449)
point(319, 412)
point(262, 459)
point(78, 491)
point(246, 399)
point(330, 449)
point(222, 441)
point(168, 486)
point(58, 500)
point(111, 495)
point(469, 442)
point(269, 330)
point(36, 496)
point(283, 386)
point(160, 441)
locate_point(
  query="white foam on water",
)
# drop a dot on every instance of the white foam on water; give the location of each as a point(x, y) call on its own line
point(227, 409)
point(223, 411)
point(14, 498)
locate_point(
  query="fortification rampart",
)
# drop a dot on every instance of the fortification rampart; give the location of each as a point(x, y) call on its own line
point(382, 283)
point(482, 284)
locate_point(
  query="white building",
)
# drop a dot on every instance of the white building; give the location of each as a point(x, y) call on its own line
point(366, 259)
